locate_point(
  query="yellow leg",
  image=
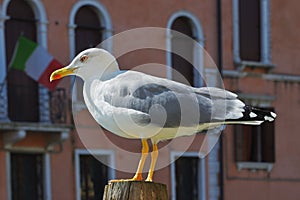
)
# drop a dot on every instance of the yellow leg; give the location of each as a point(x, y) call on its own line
point(139, 171)
point(154, 156)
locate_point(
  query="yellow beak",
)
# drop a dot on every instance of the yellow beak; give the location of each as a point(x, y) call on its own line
point(60, 73)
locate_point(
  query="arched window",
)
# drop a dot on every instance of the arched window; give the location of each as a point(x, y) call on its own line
point(88, 31)
point(184, 46)
point(89, 25)
point(22, 91)
point(186, 56)
point(27, 18)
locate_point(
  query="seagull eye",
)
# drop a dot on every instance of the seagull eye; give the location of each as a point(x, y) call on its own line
point(83, 58)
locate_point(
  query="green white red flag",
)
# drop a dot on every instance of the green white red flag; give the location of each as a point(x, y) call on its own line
point(35, 61)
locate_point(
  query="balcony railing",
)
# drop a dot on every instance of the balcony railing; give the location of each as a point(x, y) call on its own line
point(55, 129)
point(54, 105)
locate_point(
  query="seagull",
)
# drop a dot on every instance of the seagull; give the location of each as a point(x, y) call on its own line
point(136, 105)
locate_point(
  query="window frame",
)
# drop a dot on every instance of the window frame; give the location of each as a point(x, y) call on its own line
point(46, 173)
point(100, 152)
point(41, 26)
point(201, 173)
point(261, 101)
point(105, 21)
point(198, 52)
point(255, 165)
point(265, 34)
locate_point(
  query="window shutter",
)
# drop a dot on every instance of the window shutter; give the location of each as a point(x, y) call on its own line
point(88, 33)
point(27, 176)
point(186, 48)
point(255, 143)
point(23, 96)
point(249, 30)
point(187, 178)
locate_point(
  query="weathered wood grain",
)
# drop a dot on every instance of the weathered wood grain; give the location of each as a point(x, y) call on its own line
point(135, 190)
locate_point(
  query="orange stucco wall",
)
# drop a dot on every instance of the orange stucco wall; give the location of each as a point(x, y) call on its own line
point(284, 179)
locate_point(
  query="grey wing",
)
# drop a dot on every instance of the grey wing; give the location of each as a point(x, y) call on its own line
point(185, 109)
point(167, 103)
point(225, 104)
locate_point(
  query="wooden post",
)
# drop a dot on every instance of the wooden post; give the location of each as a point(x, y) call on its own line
point(135, 190)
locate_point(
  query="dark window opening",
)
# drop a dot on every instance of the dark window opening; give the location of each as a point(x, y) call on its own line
point(186, 174)
point(183, 70)
point(22, 91)
point(255, 143)
point(88, 34)
point(27, 177)
point(93, 177)
point(250, 30)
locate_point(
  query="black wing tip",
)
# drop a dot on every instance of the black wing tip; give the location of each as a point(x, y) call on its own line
point(252, 113)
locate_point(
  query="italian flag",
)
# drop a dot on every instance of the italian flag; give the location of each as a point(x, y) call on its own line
point(35, 61)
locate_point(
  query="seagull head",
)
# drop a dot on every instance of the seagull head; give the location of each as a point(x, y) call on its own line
point(89, 64)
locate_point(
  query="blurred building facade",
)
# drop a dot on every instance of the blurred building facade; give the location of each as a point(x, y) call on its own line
point(51, 146)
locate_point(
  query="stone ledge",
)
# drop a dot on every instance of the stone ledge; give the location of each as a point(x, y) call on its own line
point(254, 166)
point(13, 132)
